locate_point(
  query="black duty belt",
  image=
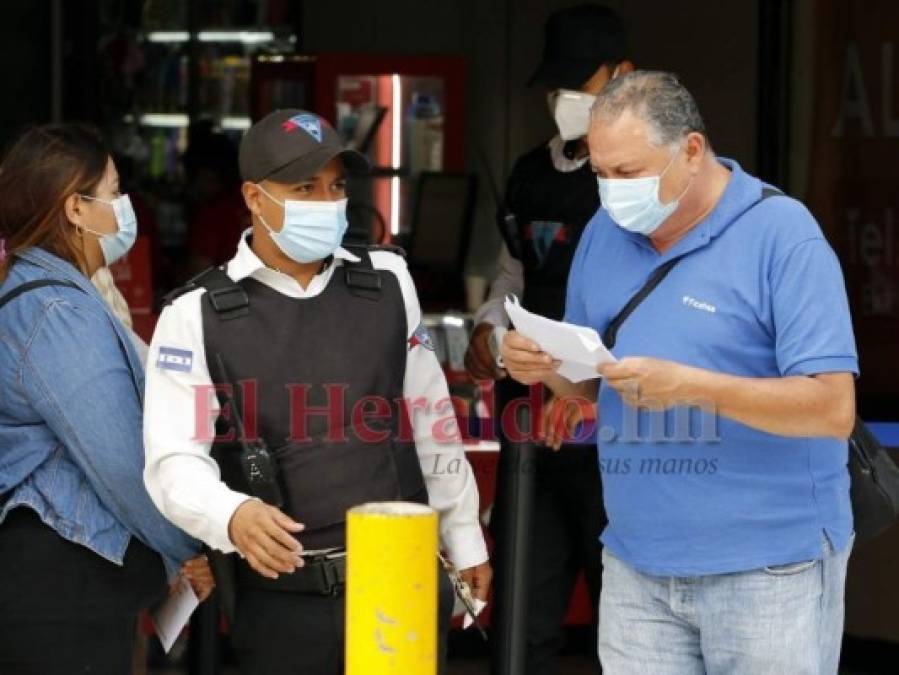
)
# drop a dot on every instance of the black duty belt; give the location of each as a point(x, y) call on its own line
point(319, 576)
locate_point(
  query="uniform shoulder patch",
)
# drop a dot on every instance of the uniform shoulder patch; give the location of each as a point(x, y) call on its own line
point(179, 360)
point(422, 336)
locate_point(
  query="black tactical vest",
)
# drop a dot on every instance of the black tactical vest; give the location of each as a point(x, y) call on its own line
point(311, 368)
point(551, 208)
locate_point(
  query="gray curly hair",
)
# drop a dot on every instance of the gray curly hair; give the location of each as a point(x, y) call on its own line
point(656, 97)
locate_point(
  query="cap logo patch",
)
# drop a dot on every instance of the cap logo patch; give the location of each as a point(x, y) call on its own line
point(308, 123)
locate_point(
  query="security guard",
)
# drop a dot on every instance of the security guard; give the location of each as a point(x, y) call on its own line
point(550, 196)
point(313, 351)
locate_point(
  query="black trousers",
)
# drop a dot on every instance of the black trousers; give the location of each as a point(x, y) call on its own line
point(278, 633)
point(64, 609)
point(568, 517)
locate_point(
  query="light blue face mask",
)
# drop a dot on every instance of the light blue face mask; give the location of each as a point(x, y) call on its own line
point(312, 230)
point(116, 244)
point(634, 204)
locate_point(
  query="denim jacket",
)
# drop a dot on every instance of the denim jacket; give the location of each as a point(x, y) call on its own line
point(71, 400)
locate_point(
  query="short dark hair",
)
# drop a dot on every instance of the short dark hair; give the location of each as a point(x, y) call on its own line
point(656, 97)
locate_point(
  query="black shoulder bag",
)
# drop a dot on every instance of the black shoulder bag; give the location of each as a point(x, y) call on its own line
point(874, 477)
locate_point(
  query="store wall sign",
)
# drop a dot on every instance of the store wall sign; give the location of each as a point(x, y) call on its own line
point(853, 179)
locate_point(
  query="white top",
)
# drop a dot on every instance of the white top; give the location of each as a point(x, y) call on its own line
point(184, 481)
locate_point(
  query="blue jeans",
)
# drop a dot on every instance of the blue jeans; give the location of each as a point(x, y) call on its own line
point(784, 619)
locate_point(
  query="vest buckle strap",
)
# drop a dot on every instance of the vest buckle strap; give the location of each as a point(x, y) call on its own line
point(368, 280)
point(362, 282)
point(229, 303)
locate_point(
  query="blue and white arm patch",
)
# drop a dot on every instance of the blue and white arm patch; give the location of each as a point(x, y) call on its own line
point(422, 336)
point(179, 360)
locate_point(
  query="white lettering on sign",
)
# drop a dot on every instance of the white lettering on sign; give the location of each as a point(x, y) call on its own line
point(854, 105)
point(872, 246)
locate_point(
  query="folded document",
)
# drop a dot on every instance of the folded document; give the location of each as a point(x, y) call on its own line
point(171, 616)
point(579, 348)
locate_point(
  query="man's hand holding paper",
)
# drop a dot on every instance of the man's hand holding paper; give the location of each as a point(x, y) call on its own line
point(544, 347)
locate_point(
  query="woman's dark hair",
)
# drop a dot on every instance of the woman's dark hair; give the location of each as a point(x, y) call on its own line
point(39, 171)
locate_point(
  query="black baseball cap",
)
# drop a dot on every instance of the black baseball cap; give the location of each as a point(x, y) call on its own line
point(288, 146)
point(578, 41)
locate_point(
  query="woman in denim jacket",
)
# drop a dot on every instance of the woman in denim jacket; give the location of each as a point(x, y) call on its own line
point(82, 547)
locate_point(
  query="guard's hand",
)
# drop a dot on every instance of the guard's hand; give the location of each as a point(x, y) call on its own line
point(650, 383)
point(478, 579)
point(264, 536)
point(479, 361)
point(524, 361)
point(199, 574)
point(561, 417)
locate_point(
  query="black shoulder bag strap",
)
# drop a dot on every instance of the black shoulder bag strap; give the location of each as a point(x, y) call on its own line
point(610, 336)
point(31, 285)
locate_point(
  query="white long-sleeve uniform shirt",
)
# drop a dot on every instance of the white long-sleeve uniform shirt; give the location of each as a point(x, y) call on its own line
point(185, 482)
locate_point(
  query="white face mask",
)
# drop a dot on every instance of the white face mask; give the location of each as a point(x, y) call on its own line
point(634, 203)
point(571, 110)
point(116, 244)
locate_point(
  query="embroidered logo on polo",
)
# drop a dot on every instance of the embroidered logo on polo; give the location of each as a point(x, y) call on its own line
point(179, 360)
point(422, 336)
point(697, 304)
point(309, 123)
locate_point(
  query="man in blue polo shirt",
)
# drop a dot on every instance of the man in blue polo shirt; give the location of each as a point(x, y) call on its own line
point(724, 423)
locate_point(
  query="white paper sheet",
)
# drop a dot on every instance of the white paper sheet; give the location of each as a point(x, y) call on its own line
point(579, 348)
point(478, 606)
point(459, 610)
point(171, 616)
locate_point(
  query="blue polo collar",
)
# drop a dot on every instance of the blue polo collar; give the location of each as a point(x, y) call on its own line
point(741, 193)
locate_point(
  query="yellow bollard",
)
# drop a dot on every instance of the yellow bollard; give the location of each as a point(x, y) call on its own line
point(391, 602)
